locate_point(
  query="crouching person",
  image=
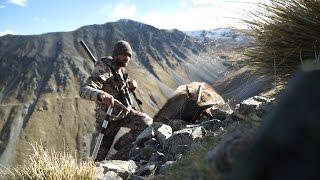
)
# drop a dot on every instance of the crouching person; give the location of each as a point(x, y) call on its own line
point(106, 83)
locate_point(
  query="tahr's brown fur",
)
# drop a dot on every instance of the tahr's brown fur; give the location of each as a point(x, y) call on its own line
point(188, 103)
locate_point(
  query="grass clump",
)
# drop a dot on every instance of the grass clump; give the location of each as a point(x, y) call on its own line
point(51, 165)
point(286, 34)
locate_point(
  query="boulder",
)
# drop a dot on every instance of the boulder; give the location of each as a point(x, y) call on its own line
point(163, 132)
point(166, 165)
point(135, 177)
point(177, 124)
point(134, 151)
point(153, 142)
point(145, 135)
point(158, 130)
point(181, 140)
point(148, 169)
point(212, 125)
point(118, 166)
point(111, 175)
point(254, 109)
point(220, 114)
point(146, 152)
point(157, 156)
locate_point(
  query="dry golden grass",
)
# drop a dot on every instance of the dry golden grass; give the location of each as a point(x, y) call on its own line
point(51, 165)
point(286, 34)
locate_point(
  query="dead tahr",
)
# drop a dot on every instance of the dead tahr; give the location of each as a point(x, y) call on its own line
point(189, 102)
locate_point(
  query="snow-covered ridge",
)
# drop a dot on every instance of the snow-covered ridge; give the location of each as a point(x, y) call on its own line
point(221, 34)
point(214, 33)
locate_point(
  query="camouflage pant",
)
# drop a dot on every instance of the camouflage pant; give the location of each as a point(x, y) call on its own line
point(135, 120)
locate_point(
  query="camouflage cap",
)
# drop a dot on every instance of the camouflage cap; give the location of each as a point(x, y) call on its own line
point(122, 47)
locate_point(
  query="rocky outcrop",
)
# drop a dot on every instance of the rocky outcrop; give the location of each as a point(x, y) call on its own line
point(161, 146)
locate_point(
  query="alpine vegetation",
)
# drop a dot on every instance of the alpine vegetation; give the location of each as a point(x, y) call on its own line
point(286, 35)
point(51, 165)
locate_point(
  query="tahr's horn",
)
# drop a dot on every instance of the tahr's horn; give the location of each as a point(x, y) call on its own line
point(199, 92)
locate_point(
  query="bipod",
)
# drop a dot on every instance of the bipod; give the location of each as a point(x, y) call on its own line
point(105, 125)
point(101, 134)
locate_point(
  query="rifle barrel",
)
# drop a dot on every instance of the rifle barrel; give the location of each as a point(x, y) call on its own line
point(85, 47)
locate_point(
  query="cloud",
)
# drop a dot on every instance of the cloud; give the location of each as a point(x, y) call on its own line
point(7, 31)
point(39, 19)
point(189, 19)
point(124, 11)
point(201, 14)
point(202, 2)
point(189, 15)
point(2, 6)
point(119, 11)
point(18, 2)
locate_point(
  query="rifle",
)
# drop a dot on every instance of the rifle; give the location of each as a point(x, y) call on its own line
point(127, 100)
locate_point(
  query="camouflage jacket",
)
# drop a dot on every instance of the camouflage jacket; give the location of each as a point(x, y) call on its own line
point(104, 78)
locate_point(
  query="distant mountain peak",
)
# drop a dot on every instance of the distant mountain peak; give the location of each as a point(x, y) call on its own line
point(131, 22)
point(124, 20)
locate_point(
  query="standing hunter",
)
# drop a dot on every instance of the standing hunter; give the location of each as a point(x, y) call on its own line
point(106, 83)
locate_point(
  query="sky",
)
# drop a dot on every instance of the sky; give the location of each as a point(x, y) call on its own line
point(25, 17)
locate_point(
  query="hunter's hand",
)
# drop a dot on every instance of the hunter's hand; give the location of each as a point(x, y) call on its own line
point(132, 85)
point(107, 99)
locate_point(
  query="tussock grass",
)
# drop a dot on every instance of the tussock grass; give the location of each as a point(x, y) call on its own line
point(286, 34)
point(51, 165)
